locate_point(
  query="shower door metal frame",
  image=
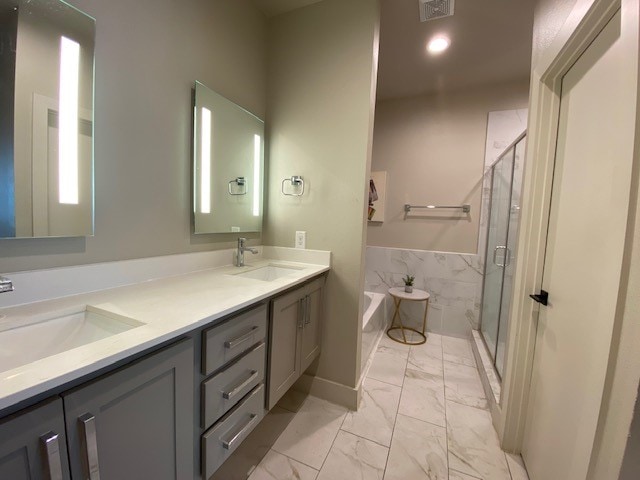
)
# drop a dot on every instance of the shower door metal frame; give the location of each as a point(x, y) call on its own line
point(491, 170)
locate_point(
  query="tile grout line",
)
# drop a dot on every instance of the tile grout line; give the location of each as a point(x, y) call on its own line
point(462, 473)
point(393, 430)
point(508, 466)
point(293, 459)
point(446, 419)
point(332, 444)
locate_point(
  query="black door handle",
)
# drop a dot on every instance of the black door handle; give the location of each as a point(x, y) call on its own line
point(542, 297)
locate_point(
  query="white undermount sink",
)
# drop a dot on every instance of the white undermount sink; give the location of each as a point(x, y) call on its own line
point(25, 341)
point(269, 273)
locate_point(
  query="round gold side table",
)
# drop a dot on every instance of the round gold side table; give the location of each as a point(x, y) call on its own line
point(398, 294)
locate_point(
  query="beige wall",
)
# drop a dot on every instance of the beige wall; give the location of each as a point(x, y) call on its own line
point(432, 148)
point(148, 55)
point(549, 16)
point(319, 110)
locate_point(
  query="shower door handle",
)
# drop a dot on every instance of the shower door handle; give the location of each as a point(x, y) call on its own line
point(507, 254)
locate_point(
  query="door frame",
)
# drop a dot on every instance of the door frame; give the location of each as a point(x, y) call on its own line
point(584, 23)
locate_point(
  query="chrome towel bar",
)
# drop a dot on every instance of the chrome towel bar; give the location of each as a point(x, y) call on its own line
point(466, 208)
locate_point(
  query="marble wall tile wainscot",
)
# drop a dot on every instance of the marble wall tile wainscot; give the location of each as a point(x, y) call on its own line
point(454, 281)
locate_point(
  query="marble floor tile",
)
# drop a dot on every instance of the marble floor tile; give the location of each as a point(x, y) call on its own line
point(275, 466)
point(310, 434)
point(462, 384)
point(418, 451)
point(376, 413)
point(516, 467)
point(388, 365)
point(453, 475)
point(423, 397)
point(469, 362)
point(434, 339)
point(352, 457)
point(386, 342)
point(474, 448)
point(426, 358)
point(458, 350)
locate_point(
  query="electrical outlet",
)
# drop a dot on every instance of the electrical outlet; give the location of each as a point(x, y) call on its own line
point(301, 239)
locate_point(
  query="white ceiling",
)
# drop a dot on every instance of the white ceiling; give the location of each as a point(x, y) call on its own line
point(271, 8)
point(490, 43)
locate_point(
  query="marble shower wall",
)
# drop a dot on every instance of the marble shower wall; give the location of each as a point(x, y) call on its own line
point(454, 281)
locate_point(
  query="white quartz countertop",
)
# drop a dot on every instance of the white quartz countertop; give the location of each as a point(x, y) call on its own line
point(168, 307)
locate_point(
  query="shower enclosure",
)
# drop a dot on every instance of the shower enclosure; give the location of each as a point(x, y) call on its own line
point(504, 218)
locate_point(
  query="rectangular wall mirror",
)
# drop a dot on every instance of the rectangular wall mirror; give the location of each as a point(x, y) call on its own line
point(46, 119)
point(228, 168)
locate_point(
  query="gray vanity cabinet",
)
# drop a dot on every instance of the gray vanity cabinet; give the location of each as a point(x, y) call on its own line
point(312, 328)
point(135, 423)
point(294, 338)
point(33, 445)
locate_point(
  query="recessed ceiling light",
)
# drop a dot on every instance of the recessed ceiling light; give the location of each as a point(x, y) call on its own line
point(438, 44)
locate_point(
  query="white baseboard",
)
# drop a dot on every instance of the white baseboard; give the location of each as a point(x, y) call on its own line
point(326, 389)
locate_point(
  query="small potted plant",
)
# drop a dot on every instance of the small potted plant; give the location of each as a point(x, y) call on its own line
point(408, 283)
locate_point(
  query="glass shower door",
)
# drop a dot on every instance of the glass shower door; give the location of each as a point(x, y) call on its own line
point(496, 256)
point(512, 238)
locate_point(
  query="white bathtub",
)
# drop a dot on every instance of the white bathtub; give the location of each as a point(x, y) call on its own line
point(374, 324)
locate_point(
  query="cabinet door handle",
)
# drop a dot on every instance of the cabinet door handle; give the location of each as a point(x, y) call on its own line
point(238, 388)
point(231, 344)
point(302, 305)
point(307, 312)
point(88, 422)
point(52, 455)
point(228, 444)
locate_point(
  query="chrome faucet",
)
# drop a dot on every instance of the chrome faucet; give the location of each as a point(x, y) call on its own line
point(6, 285)
point(241, 249)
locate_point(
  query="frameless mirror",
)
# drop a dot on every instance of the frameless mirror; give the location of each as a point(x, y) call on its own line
point(228, 166)
point(46, 119)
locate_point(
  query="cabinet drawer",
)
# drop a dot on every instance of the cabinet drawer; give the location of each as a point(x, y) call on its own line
point(225, 342)
point(223, 391)
point(220, 441)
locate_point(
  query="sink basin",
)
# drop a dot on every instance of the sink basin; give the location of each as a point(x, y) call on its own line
point(25, 341)
point(269, 273)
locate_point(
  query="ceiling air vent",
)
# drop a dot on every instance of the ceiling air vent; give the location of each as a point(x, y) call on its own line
point(433, 9)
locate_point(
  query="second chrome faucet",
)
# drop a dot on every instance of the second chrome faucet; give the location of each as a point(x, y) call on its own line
point(241, 249)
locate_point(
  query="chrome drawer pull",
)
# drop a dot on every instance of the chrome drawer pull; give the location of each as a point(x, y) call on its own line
point(237, 389)
point(52, 452)
point(91, 445)
point(230, 344)
point(228, 444)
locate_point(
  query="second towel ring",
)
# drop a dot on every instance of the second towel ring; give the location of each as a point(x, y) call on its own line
point(296, 182)
point(240, 182)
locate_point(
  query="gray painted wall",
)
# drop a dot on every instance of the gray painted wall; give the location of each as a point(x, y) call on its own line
point(148, 55)
point(321, 86)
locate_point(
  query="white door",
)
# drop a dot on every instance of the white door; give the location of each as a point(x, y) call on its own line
point(587, 226)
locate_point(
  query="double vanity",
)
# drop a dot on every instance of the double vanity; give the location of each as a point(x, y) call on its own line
point(159, 379)
point(139, 369)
